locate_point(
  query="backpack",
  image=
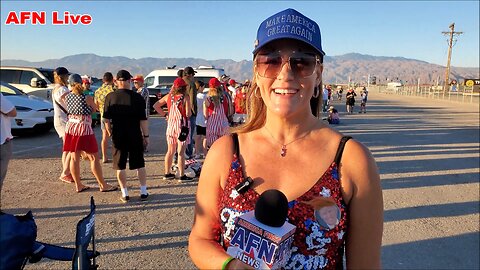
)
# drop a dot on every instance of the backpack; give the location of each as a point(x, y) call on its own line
point(17, 238)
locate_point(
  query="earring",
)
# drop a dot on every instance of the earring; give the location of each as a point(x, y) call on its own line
point(255, 93)
point(316, 92)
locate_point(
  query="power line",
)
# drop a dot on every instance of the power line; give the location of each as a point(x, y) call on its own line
point(451, 34)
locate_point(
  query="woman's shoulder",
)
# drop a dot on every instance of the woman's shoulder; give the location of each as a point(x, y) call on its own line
point(222, 147)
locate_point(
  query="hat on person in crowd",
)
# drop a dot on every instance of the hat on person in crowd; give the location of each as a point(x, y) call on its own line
point(138, 78)
point(123, 75)
point(179, 82)
point(232, 82)
point(224, 77)
point(61, 71)
point(214, 83)
point(85, 81)
point(189, 71)
point(74, 78)
point(291, 24)
point(331, 108)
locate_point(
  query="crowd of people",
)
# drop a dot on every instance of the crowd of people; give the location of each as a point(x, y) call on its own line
point(201, 112)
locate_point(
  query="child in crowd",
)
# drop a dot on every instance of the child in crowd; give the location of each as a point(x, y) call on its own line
point(333, 117)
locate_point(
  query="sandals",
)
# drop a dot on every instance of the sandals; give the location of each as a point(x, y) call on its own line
point(66, 179)
point(110, 188)
point(83, 189)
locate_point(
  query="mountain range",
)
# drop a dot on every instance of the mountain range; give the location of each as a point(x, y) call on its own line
point(337, 69)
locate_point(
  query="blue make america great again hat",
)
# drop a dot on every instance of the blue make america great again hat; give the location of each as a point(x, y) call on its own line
point(289, 24)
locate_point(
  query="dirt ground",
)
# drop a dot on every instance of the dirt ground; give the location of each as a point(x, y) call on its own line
point(427, 152)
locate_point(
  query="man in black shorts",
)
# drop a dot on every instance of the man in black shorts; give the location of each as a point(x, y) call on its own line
point(127, 125)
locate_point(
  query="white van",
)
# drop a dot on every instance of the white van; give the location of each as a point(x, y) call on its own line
point(160, 81)
point(31, 80)
point(394, 86)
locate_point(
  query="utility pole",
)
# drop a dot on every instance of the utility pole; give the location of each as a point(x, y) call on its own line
point(451, 34)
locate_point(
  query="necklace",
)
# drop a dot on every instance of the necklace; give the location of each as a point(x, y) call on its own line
point(283, 152)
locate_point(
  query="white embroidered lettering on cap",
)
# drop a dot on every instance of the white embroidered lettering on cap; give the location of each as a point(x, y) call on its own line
point(292, 24)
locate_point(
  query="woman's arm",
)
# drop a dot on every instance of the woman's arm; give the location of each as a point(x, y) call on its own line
point(206, 104)
point(204, 250)
point(158, 105)
point(188, 106)
point(365, 207)
point(91, 103)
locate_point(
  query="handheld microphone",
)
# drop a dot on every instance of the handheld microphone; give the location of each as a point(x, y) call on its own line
point(262, 238)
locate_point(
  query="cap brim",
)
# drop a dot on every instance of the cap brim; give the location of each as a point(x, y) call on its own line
point(286, 37)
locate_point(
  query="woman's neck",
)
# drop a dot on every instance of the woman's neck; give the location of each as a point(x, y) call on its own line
point(285, 130)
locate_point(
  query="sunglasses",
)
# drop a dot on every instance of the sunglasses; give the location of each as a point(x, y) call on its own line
point(302, 64)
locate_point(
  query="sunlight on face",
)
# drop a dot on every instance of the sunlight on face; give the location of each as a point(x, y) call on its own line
point(288, 94)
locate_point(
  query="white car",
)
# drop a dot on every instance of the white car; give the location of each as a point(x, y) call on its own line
point(31, 80)
point(33, 113)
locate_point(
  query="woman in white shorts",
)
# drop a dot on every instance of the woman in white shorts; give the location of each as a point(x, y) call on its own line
point(60, 117)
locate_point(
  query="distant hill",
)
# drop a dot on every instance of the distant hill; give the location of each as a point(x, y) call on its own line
point(337, 69)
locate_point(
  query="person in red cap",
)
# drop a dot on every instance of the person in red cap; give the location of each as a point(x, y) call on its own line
point(284, 145)
point(232, 88)
point(138, 83)
point(215, 109)
point(179, 111)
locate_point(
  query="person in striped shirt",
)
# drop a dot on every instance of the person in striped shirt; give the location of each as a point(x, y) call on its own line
point(215, 109)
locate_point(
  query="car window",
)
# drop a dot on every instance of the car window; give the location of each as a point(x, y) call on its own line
point(10, 76)
point(149, 81)
point(27, 76)
point(166, 80)
point(48, 74)
point(7, 91)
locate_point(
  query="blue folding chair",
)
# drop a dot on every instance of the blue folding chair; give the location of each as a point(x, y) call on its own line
point(17, 243)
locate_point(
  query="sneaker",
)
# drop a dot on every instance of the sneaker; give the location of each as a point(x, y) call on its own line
point(168, 176)
point(125, 199)
point(185, 179)
point(143, 197)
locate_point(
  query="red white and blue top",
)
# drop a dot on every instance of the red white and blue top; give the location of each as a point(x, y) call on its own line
point(316, 244)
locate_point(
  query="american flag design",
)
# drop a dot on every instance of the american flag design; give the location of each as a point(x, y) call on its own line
point(217, 122)
point(175, 120)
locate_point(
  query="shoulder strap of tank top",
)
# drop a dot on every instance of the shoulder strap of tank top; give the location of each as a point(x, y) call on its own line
point(341, 146)
point(236, 145)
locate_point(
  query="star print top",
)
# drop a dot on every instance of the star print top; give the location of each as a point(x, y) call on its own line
point(320, 229)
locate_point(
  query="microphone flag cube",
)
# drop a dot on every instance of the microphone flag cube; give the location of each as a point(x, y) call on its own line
point(259, 245)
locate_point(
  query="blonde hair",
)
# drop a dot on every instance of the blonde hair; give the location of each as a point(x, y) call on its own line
point(60, 79)
point(179, 90)
point(215, 93)
point(77, 88)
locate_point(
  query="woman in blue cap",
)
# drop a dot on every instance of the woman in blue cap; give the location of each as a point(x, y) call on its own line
point(285, 146)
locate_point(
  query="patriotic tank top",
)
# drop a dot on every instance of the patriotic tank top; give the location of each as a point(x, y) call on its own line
point(320, 216)
point(79, 115)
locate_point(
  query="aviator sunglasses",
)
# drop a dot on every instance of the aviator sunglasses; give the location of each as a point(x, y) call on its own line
point(270, 64)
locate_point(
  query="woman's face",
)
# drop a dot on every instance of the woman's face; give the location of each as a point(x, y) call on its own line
point(329, 214)
point(289, 92)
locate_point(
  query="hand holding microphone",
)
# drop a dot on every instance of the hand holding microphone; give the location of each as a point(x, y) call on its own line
point(262, 238)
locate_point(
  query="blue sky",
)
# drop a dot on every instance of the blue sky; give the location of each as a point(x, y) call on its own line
point(226, 30)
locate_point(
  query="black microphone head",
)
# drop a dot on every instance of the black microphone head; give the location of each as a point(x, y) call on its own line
point(272, 208)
